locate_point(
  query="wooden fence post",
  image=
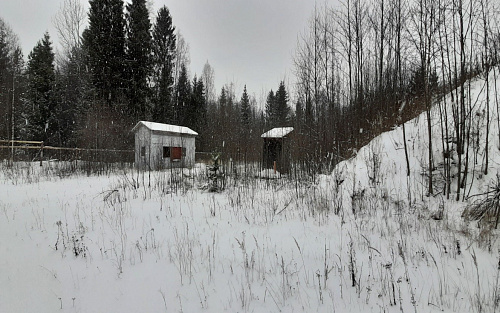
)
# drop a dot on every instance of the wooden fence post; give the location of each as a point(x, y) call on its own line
point(41, 153)
point(12, 153)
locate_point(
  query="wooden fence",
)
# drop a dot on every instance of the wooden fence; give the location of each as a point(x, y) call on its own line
point(23, 150)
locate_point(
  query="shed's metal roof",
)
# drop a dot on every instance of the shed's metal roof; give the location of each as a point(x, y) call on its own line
point(166, 128)
point(278, 132)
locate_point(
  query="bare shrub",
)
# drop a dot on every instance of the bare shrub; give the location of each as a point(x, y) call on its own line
point(486, 210)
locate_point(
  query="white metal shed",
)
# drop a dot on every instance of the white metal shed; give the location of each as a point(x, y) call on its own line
point(159, 146)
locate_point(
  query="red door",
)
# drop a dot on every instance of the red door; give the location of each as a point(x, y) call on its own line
point(176, 153)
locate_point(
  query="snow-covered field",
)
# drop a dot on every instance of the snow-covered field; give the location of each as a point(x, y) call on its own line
point(359, 240)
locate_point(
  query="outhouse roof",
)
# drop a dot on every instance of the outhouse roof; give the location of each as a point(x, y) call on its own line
point(278, 132)
point(165, 128)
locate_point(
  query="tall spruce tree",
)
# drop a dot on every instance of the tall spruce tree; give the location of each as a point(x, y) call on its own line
point(245, 110)
point(223, 104)
point(5, 70)
point(164, 47)
point(271, 119)
point(277, 108)
point(245, 124)
point(282, 109)
point(104, 44)
point(11, 82)
point(138, 56)
point(199, 99)
point(40, 101)
point(183, 98)
point(72, 89)
point(5, 74)
point(190, 108)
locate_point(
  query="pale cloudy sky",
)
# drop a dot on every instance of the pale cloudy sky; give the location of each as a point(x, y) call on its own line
point(245, 41)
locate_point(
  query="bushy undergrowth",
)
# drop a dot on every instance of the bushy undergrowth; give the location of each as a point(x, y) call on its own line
point(486, 210)
point(32, 172)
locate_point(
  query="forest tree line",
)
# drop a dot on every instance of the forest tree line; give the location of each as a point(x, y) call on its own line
point(122, 68)
point(360, 68)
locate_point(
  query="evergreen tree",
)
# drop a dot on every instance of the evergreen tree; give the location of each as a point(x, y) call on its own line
point(11, 82)
point(277, 109)
point(40, 95)
point(245, 110)
point(183, 97)
point(222, 115)
point(222, 103)
point(138, 58)
point(271, 119)
point(104, 44)
point(282, 109)
point(72, 88)
point(164, 47)
point(190, 108)
point(5, 73)
point(245, 125)
point(418, 81)
point(299, 116)
point(199, 105)
point(4, 70)
point(196, 112)
point(64, 111)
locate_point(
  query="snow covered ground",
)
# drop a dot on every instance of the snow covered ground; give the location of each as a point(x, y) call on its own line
point(359, 240)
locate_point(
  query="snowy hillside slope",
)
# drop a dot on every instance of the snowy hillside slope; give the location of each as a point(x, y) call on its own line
point(381, 164)
point(359, 240)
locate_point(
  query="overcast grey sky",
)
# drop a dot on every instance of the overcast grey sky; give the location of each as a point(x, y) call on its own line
point(245, 41)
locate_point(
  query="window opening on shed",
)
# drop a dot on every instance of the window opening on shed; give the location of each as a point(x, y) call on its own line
point(166, 152)
point(143, 151)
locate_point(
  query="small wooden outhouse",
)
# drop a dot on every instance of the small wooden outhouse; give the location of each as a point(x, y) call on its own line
point(276, 153)
point(160, 146)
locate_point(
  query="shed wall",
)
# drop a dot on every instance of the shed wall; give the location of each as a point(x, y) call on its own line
point(153, 143)
point(158, 141)
point(142, 139)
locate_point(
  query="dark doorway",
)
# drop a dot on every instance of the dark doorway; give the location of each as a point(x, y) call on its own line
point(273, 150)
